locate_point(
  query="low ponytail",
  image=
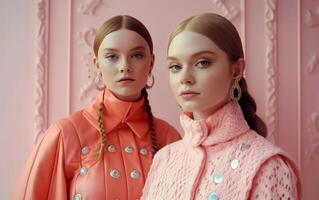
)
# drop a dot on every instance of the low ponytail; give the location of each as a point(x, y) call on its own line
point(248, 106)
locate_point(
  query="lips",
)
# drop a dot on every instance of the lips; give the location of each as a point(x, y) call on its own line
point(126, 80)
point(189, 94)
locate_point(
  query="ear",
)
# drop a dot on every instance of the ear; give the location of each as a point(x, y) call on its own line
point(152, 63)
point(238, 68)
point(95, 62)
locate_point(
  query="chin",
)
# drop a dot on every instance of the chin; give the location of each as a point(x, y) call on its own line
point(188, 108)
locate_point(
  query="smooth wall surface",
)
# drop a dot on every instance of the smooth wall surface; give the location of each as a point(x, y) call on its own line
point(46, 69)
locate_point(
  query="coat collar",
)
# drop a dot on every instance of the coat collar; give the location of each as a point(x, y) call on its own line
point(225, 124)
point(119, 112)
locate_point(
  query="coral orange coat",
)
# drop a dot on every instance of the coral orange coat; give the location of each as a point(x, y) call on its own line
point(62, 164)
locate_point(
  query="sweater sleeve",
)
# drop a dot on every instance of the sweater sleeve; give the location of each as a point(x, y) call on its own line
point(43, 175)
point(159, 161)
point(275, 180)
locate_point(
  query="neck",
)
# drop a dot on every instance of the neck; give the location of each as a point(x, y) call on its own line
point(131, 98)
point(205, 113)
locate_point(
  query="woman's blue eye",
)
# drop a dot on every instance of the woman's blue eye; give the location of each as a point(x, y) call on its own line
point(203, 63)
point(174, 68)
point(111, 57)
point(138, 55)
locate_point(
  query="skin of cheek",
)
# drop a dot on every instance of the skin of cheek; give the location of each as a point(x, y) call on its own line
point(215, 91)
point(213, 84)
point(110, 73)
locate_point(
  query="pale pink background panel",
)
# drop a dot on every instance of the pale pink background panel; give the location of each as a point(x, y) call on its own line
point(47, 69)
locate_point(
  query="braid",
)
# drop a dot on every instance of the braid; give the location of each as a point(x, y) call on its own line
point(248, 106)
point(150, 121)
point(100, 153)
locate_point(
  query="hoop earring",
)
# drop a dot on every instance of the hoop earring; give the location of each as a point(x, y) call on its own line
point(99, 83)
point(152, 84)
point(235, 86)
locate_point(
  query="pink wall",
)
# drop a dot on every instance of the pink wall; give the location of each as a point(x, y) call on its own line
point(46, 71)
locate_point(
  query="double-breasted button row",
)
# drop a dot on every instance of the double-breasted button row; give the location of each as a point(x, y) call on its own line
point(128, 149)
point(135, 174)
point(112, 149)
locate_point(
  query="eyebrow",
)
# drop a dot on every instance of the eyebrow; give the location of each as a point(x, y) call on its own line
point(137, 48)
point(133, 49)
point(194, 55)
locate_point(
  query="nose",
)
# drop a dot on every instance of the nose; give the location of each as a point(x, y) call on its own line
point(187, 78)
point(125, 67)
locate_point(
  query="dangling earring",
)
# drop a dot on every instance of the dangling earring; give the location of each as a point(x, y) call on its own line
point(235, 86)
point(152, 84)
point(98, 82)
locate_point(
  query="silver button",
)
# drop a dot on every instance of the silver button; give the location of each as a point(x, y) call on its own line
point(111, 148)
point(84, 171)
point(115, 173)
point(129, 149)
point(85, 150)
point(77, 197)
point(143, 151)
point(135, 174)
point(212, 196)
point(218, 177)
point(234, 164)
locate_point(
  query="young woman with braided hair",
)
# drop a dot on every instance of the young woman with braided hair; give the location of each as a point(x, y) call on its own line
point(223, 153)
point(105, 150)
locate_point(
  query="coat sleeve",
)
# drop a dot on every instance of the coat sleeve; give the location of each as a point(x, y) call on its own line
point(275, 180)
point(43, 176)
point(172, 135)
point(166, 133)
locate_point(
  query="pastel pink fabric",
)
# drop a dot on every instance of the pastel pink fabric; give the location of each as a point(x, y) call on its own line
point(221, 158)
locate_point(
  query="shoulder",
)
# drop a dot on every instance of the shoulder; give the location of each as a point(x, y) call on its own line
point(67, 125)
point(162, 125)
point(262, 157)
point(259, 144)
point(257, 149)
point(276, 176)
point(166, 133)
point(62, 130)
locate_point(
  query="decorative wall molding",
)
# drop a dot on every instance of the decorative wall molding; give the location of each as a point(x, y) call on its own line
point(41, 76)
point(312, 64)
point(230, 12)
point(313, 147)
point(299, 87)
point(271, 68)
point(88, 7)
point(312, 17)
point(86, 38)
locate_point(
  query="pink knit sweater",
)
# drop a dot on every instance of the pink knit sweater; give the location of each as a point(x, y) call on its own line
point(221, 158)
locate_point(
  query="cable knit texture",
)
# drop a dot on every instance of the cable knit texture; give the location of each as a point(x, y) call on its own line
point(221, 158)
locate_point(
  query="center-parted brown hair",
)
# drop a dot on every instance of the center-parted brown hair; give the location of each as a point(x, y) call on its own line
point(111, 25)
point(224, 34)
point(121, 22)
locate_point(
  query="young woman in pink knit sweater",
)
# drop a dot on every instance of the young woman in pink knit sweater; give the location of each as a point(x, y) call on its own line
point(223, 153)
